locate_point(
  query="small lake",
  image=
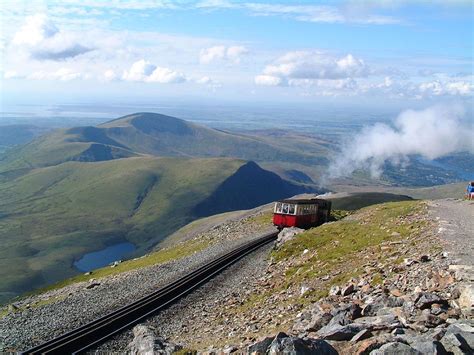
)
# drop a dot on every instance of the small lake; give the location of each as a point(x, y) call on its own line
point(104, 257)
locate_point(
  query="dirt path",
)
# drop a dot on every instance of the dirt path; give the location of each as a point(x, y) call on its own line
point(456, 227)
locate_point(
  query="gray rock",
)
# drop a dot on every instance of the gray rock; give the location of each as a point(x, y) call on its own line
point(455, 344)
point(347, 290)
point(466, 299)
point(432, 347)
point(261, 346)
point(426, 299)
point(363, 334)
point(293, 345)
point(146, 342)
point(372, 308)
point(395, 348)
point(287, 234)
point(334, 291)
point(339, 332)
point(464, 334)
point(379, 322)
point(92, 285)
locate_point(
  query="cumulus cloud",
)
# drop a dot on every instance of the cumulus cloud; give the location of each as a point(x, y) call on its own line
point(438, 88)
point(304, 65)
point(144, 71)
point(232, 54)
point(40, 37)
point(431, 133)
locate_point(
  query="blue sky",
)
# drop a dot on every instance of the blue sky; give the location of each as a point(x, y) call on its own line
point(307, 51)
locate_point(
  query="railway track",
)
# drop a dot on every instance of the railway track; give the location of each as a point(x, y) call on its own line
point(96, 332)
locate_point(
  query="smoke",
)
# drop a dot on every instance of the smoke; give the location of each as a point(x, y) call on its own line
point(431, 133)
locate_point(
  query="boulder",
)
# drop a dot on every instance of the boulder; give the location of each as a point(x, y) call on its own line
point(347, 290)
point(426, 299)
point(334, 291)
point(431, 347)
point(312, 320)
point(455, 344)
point(466, 299)
point(339, 332)
point(261, 346)
point(387, 322)
point(284, 344)
point(363, 334)
point(146, 342)
point(295, 345)
point(287, 234)
point(395, 348)
point(464, 334)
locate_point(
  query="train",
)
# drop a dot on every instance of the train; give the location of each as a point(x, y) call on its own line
point(301, 213)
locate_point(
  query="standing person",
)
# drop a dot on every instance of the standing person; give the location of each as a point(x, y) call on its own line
point(470, 191)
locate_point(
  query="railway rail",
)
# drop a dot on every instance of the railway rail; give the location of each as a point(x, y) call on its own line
point(96, 332)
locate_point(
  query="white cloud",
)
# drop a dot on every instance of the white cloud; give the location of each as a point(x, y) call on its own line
point(146, 72)
point(304, 65)
point(42, 40)
point(439, 88)
point(36, 29)
point(62, 74)
point(268, 80)
point(231, 53)
point(305, 13)
point(110, 75)
point(432, 133)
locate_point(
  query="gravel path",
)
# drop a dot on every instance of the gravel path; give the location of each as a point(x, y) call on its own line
point(456, 227)
point(74, 305)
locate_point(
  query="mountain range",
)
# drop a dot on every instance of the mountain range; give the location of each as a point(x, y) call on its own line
point(137, 179)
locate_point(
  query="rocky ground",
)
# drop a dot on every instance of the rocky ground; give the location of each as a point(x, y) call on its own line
point(407, 289)
point(411, 297)
point(35, 319)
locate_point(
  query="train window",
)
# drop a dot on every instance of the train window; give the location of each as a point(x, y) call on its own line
point(292, 209)
point(285, 208)
point(278, 207)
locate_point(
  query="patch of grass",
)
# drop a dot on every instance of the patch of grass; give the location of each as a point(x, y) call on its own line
point(337, 215)
point(263, 219)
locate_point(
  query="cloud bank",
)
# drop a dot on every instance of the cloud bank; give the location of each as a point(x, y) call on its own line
point(296, 67)
point(432, 133)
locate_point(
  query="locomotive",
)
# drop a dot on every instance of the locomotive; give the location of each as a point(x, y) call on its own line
point(301, 213)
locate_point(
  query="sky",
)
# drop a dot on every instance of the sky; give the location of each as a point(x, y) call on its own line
point(374, 52)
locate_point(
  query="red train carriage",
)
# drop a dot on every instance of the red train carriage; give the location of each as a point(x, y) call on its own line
point(301, 213)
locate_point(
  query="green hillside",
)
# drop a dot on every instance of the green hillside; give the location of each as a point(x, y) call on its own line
point(53, 215)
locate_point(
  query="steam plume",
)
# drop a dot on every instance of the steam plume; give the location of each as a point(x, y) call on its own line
point(432, 133)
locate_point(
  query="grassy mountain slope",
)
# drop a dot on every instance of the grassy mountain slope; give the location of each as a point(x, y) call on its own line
point(144, 134)
point(52, 215)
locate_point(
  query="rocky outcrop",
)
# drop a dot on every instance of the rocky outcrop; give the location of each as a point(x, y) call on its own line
point(146, 342)
point(284, 344)
point(287, 234)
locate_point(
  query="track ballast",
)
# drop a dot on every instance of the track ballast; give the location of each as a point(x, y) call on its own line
point(96, 332)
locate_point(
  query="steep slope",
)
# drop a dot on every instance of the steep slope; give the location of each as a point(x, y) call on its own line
point(51, 216)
